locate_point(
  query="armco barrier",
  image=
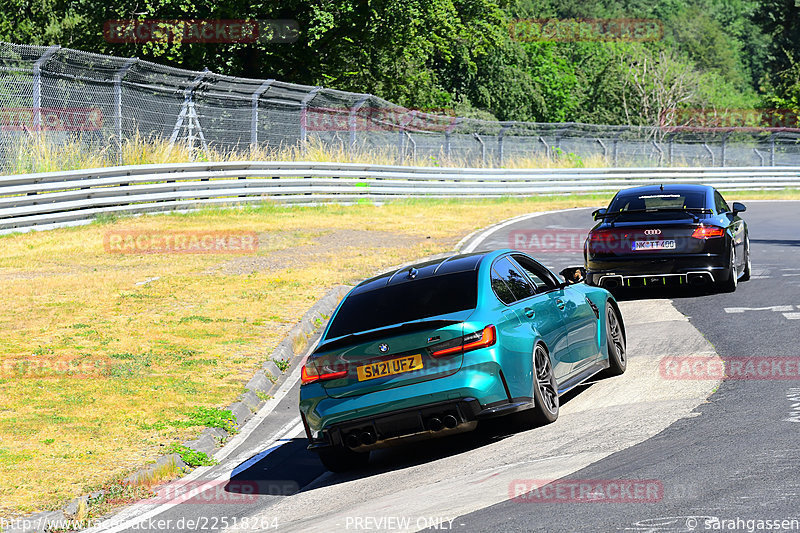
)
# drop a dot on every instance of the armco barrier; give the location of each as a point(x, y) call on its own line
point(53, 199)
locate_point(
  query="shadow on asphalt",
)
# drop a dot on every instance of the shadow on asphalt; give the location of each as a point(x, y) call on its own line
point(626, 295)
point(292, 468)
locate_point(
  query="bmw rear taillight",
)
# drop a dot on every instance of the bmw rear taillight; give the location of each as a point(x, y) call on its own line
point(708, 232)
point(310, 373)
point(473, 341)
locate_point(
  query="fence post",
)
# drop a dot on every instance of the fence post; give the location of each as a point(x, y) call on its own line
point(724, 141)
point(303, 107)
point(118, 77)
point(352, 122)
point(710, 152)
point(447, 133)
point(761, 157)
point(500, 137)
point(413, 145)
point(37, 85)
point(254, 117)
point(546, 147)
point(605, 149)
point(483, 148)
point(660, 152)
point(772, 150)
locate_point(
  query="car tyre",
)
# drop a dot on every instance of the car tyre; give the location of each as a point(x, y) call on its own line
point(732, 280)
point(341, 459)
point(616, 343)
point(747, 265)
point(545, 391)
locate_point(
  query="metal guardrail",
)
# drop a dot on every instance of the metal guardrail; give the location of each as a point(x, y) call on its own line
point(53, 199)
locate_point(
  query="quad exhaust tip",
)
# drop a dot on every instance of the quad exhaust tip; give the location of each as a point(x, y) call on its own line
point(435, 423)
point(450, 421)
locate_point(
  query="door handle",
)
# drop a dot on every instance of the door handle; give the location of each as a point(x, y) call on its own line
point(560, 304)
point(530, 313)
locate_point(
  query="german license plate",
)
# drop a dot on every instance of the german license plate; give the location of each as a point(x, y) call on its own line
point(654, 245)
point(390, 367)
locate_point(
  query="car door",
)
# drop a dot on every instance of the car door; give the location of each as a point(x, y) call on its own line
point(537, 312)
point(736, 226)
point(579, 318)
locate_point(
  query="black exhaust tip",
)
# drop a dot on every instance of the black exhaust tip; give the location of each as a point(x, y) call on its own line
point(352, 440)
point(367, 438)
point(450, 421)
point(435, 424)
point(698, 280)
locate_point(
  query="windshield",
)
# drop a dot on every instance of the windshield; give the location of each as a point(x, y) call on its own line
point(405, 302)
point(634, 203)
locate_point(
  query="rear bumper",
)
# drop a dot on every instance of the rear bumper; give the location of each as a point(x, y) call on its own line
point(700, 269)
point(402, 413)
point(417, 423)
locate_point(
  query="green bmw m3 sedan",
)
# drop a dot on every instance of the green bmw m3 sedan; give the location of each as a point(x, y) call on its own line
point(432, 349)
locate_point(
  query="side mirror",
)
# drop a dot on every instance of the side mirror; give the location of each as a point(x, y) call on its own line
point(739, 207)
point(599, 213)
point(574, 274)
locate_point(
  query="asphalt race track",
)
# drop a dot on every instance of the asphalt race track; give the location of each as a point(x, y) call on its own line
point(684, 457)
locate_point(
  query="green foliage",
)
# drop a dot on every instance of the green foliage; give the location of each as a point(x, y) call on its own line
point(192, 457)
point(462, 55)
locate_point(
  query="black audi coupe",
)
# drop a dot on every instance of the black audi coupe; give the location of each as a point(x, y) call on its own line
point(668, 235)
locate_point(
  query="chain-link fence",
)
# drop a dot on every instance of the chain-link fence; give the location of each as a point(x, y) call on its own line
point(101, 100)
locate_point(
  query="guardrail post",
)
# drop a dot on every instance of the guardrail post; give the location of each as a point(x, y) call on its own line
point(118, 77)
point(352, 122)
point(303, 112)
point(254, 117)
point(37, 85)
point(500, 137)
point(483, 147)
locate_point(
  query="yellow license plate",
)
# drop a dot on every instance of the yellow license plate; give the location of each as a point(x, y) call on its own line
point(390, 367)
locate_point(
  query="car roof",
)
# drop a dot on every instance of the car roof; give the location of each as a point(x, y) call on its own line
point(667, 187)
point(427, 269)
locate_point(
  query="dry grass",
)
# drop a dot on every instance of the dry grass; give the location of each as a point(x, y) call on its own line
point(41, 154)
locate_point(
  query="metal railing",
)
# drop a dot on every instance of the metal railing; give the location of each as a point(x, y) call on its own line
point(53, 199)
point(100, 101)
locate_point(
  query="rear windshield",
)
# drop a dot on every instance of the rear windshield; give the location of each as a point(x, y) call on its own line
point(404, 302)
point(657, 200)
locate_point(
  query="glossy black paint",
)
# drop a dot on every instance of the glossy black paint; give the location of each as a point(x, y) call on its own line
point(692, 261)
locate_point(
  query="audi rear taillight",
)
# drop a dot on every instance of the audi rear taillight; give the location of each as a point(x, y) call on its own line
point(606, 240)
point(473, 341)
point(708, 232)
point(310, 373)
